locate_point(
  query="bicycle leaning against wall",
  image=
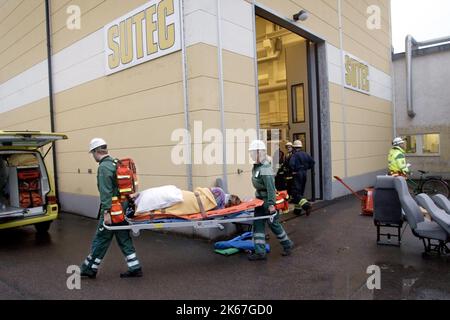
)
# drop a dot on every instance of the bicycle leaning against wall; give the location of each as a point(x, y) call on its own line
point(430, 185)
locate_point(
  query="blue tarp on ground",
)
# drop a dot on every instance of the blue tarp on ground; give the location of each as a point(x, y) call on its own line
point(243, 242)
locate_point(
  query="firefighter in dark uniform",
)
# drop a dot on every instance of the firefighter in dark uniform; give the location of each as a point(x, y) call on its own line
point(264, 183)
point(300, 163)
point(107, 187)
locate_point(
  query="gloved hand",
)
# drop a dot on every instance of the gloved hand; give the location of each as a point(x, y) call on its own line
point(272, 209)
point(107, 217)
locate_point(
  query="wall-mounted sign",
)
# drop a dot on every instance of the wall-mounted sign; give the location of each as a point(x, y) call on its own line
point(146, 33)
point(356, 74)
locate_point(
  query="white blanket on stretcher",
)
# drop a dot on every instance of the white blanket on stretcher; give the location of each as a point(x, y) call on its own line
point(158, 198)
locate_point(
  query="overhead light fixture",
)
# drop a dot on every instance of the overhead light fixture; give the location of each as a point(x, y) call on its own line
point(302, 15)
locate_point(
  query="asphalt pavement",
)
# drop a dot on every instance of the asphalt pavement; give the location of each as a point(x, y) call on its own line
point(334, 246)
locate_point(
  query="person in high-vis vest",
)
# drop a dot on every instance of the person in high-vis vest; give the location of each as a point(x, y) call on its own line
point(108, 189)
point(396, 159)
point(300, 163)
point(264, 183)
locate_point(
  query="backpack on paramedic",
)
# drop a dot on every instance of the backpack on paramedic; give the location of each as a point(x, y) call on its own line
point(126, 176)
point(127, 184)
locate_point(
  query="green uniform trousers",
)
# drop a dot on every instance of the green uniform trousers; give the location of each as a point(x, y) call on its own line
point(100, 245)
point(259, 230)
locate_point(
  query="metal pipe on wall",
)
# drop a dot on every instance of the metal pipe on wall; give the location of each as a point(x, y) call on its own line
point(50, 92)
point(255, 69)
point(188, 147)
point(408, 52)
point(221, 98)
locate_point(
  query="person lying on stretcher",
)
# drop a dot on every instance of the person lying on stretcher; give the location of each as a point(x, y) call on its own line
point(171, 200)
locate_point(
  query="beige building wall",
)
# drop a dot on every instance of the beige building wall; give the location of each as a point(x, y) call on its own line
point(136, 110)
point(23, 46)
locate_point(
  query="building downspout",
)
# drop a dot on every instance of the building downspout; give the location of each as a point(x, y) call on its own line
point(342, 88)
point(408, 58)
point(255, 67)
point(187, 139)
point(410, 45)
point(221, 99)
point(394, 113)
point(50, 93)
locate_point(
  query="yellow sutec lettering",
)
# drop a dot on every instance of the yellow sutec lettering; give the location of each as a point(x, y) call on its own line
point(126, 41)
point(137, 21)
point(348, 69)
point(150, 28)
point(353, 75)
point(114, 58)
point(166, 34)
point(365, 79)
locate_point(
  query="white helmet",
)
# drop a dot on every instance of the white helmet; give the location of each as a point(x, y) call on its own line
point(257, 145)
point(398, 141)
point(95, 143)
point(297, 144)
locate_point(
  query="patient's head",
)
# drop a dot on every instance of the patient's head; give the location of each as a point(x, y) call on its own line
point(234, 200)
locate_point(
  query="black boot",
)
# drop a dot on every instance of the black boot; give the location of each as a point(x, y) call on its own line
point(132, 274)
point(307, 207)
point(287, 250)
point(298, 212)
point(88, 273)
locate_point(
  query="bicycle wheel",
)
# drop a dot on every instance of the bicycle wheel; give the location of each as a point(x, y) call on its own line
point(435, 186)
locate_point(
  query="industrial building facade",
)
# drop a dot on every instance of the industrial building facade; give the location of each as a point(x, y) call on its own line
point(426, 126)
point(136, 72)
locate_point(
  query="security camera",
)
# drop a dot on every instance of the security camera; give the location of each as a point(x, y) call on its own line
point(302, 15)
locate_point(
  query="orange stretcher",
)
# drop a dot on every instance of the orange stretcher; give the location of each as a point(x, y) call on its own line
point(209, 219)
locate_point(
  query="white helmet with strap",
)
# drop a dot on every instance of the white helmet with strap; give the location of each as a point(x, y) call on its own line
point(95, 143)
point(298, 144)
point(257, 145)
point(398, 141)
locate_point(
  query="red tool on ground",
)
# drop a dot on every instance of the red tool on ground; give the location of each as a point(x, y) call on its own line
point(366, 199)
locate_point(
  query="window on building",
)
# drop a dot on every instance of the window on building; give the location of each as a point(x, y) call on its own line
point(423, 144)
point(410, 144)
point(430, 144)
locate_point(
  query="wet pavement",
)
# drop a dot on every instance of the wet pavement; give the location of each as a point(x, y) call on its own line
point(334, 247)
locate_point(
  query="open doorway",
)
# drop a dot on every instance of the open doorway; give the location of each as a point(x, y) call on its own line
point(288, 93)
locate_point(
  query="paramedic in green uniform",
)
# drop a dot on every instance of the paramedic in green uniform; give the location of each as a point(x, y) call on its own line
point(107, 187)
point(264, 183)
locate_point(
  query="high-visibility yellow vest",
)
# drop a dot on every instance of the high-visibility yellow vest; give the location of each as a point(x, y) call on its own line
point(397, 161)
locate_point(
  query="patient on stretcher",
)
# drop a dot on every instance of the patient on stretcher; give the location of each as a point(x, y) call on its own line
point(175, 202)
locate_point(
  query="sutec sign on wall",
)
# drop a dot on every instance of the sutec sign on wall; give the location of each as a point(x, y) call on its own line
point(146, 33)
point(356, 74)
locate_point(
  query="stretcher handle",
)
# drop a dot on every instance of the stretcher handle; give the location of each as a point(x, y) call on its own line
point(351, 190)
point(200, 205)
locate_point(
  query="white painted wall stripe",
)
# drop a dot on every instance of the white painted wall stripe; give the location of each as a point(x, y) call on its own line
point(237, 39)
point(79, 63)
point(204, 5)
point(238, 12)
point(201, 27)
point(88, 70)
point(237, 26)
point(380, 82)
point(25, 79)
point(24, 96)
point(79, 52)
